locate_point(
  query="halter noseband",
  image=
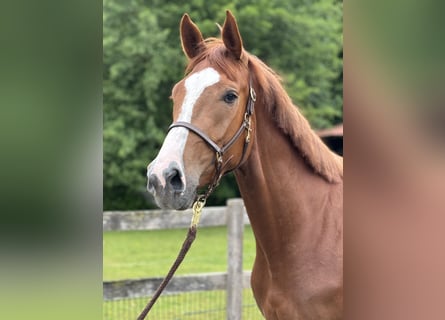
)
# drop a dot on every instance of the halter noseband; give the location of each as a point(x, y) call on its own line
point(220, 151)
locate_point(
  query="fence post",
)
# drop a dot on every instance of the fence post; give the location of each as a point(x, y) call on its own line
point(235, 229)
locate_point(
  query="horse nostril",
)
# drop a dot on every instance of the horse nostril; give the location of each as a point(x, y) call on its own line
point(153, 183)
point(173, 177)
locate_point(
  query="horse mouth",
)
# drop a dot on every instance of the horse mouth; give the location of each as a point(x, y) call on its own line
point(167, 199)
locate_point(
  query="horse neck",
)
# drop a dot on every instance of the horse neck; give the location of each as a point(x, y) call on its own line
point(284, 198)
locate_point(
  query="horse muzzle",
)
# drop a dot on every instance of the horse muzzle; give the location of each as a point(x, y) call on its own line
point(167, 183)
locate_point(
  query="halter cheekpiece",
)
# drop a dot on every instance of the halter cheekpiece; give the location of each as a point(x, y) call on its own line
point(220, 151)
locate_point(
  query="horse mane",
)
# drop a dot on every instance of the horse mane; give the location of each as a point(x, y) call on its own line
point(279, 105)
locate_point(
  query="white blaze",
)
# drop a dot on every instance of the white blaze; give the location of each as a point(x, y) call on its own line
point(174, 144)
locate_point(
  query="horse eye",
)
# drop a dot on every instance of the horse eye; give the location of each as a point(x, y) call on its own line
point(230, 98)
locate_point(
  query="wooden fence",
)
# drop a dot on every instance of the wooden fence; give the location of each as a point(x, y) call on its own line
point(234, 281)
point(169, 219)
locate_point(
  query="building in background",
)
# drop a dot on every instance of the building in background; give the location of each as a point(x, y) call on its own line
point(333, 137)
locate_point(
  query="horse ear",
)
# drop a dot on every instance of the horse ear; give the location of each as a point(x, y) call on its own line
point(231, 36)
point(191, 37)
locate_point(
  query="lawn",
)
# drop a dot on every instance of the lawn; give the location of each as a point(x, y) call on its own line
point(142, 254)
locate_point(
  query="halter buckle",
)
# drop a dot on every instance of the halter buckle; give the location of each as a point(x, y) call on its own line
point(247, 124)
point(252, 94)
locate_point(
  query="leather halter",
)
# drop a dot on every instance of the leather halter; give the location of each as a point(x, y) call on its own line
point(220, 151)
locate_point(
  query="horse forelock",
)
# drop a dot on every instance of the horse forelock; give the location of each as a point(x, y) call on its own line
point(213, 51)
point(272, 95)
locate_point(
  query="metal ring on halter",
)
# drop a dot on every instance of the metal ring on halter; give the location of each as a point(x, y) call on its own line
point(219, 158)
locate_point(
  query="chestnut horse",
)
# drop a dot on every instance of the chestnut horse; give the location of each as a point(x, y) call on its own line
point(291, 183)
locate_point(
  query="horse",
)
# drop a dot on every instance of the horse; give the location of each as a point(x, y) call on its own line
point(231, 113)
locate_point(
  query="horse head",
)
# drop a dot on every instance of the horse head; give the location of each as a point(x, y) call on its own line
point(212, 108)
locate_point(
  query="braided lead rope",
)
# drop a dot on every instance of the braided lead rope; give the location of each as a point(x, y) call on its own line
point(191, 235)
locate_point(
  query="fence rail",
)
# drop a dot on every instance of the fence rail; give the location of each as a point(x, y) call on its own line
point(124, 289)
point(165, 219)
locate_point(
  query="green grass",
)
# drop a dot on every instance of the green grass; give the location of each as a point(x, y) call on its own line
point(141, 254)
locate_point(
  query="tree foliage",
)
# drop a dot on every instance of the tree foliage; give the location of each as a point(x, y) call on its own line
point(301, 40)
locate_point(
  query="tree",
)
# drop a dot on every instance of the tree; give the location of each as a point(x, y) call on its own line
point(133, 70)
point(301, 40)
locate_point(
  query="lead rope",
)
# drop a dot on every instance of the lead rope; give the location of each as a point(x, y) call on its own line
point(191, 235)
